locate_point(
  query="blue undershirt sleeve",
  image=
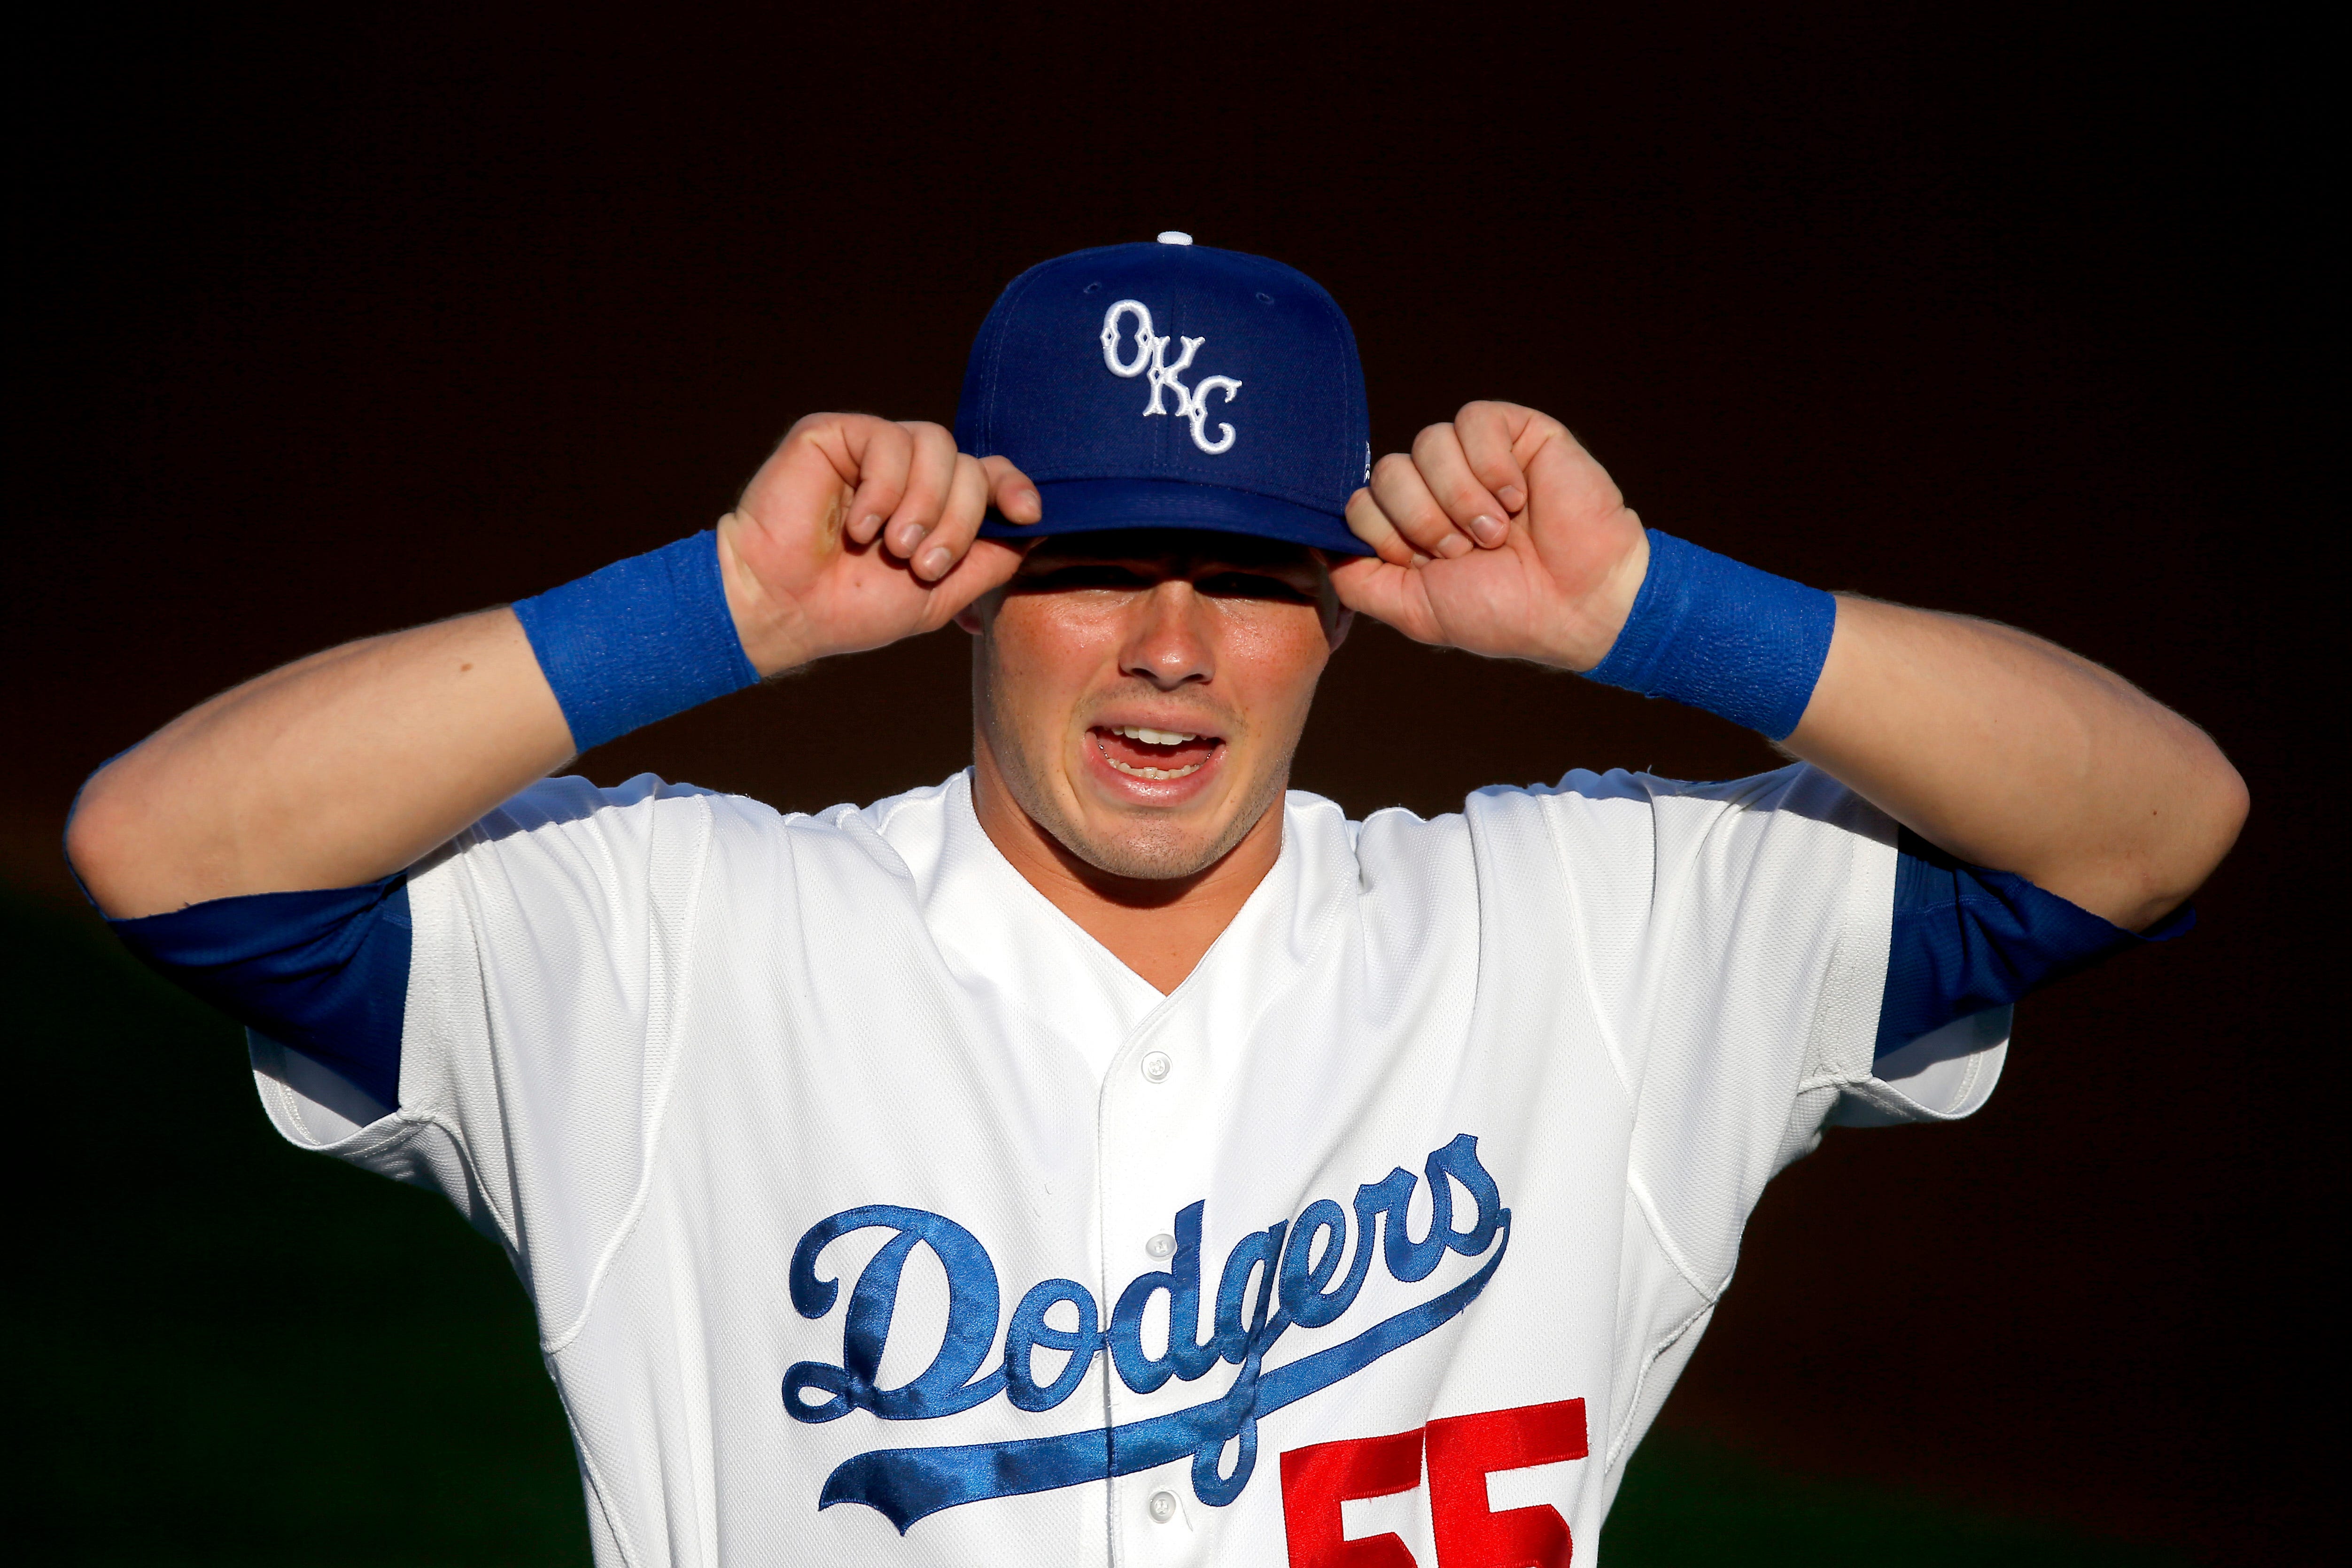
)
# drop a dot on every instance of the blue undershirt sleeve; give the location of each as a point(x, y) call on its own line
point(325, 973)
point(1965, 939)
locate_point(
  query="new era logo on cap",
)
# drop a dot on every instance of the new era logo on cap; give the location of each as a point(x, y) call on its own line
point(1172, 385)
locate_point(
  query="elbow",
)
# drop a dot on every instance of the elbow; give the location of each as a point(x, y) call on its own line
point(2228, 801)
point(103, 839)
point(2239, 801)
point(2203, 832)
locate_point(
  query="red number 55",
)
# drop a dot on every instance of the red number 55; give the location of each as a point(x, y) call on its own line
point(1463, 1451)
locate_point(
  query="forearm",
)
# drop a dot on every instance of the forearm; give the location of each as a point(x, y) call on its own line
point(333, 771)
point(2003, 750)
point(2014, 754)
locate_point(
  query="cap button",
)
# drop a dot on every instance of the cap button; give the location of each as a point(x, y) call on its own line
point(1174, 236)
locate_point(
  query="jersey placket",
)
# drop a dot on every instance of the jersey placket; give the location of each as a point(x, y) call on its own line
point(1156, 1151)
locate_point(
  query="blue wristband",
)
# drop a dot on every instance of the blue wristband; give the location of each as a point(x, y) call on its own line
point(1708, 631)
point(642, 639)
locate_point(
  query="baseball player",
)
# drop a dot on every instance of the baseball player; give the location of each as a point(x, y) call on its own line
point(1105, 1155)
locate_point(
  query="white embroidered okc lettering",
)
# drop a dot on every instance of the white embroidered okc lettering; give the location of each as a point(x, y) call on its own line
point(1150, 358)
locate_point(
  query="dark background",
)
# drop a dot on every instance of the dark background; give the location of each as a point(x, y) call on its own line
point(328, 324)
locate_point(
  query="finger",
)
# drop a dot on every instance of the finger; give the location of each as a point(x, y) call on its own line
point(1488, 431)
point(1404, 494)
point(1468, 504)
point(1016, 499)
point(883, 452)
point(930, 471)
point(1368, 522)
point(958, 522)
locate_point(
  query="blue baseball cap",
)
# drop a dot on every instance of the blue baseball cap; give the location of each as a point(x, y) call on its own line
point(1172, 385)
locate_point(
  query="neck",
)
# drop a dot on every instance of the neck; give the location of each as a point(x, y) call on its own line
point(1160, 928)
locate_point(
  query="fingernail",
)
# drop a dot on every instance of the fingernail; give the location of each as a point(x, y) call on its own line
point(1453, 546)
point(869, 525)
point(1030, 501)
point(934, 563)
point(1512, 497)
point(911, 534)
point(1487, 532)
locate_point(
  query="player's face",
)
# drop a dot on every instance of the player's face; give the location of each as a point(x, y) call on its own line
point(1139, 694)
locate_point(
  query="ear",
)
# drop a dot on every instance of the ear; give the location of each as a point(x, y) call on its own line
point(974, 617)
point(1337, 616)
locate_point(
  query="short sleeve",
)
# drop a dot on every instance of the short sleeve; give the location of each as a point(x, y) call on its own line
point(541, 1023)
point(1737, 938)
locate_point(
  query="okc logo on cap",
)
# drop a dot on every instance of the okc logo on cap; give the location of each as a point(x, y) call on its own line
point(1151, 359)
point(1081, 362)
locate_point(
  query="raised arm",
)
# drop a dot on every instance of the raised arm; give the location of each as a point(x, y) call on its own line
point(1501, 535)
point(350, 764)
point(2011, 752)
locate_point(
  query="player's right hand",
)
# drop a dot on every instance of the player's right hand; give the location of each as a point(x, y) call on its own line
point(859, 532)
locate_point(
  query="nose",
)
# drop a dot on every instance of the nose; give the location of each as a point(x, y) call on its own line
point(1167, 645)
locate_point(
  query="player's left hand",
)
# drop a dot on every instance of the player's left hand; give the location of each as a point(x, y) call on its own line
point(1501, 535)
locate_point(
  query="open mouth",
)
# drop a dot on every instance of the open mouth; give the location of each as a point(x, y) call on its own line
point(1140, 752)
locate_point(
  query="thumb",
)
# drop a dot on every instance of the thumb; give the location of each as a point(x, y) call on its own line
point(987, 566)
point(1010, 491)
point(1389, 592)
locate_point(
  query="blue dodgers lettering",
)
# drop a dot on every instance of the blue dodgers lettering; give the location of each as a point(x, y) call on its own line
point(1272, 1280)
point(1181, 1281)
point(947, 1386)
point(1029, 1330)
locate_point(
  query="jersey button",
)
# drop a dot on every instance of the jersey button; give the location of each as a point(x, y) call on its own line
point(1161, 1245)
point(1155, 1066)
point(1163, 1507)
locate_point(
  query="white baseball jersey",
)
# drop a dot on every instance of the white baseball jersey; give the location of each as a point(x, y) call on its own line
point(873, 1213)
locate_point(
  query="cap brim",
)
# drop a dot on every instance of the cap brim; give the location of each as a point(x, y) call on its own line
point(1096, 506)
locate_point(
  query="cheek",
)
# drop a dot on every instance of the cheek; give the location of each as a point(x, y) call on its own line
point(1280, 658)
point(1042, 658)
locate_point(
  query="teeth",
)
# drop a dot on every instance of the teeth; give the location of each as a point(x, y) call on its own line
point(1153, 737)
point(1185, 771)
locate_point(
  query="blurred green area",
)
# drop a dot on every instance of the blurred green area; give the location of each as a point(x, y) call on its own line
point(226, 1351)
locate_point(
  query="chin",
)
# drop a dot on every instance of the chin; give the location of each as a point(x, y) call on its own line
point(1153, 851)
